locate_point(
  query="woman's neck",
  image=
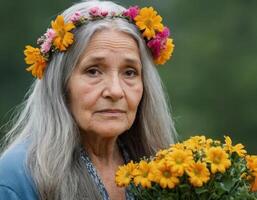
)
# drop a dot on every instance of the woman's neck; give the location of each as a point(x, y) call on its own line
point(103, 151)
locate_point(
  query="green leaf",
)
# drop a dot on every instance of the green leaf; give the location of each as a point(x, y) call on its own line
point(201, 190)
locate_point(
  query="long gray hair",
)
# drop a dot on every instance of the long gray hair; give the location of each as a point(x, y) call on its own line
point(45, 119)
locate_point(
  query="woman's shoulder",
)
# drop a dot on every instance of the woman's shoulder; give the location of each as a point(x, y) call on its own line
point(15, 181)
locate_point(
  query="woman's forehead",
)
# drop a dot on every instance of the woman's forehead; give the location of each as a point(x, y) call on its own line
point(111, 41)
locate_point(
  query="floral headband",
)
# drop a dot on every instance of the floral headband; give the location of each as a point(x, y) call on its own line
point(59, 37)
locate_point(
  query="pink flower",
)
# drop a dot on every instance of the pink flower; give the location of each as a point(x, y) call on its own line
point(155, 46)
point(47, 42)
point(164, 34)
point(158, 43)
point(104, 13)
point(95, 11)
point(75, 17)
point(46, 46)
point(131, 12)
point(50, 34)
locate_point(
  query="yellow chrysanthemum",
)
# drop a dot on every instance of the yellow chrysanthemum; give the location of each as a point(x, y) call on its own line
point(239, 148)
point(209, 143)
point(252, 163)
point(198, 174)
point(148, 21)
point(124, 174)
point(161, 154)
point(63, 37)
point(199, 139)
point(195, 143)
point(36, 60)
point(180, 160)
point(177, 146)
point(143, 174)
point(254, 183)
point(165, 176)
point(165, 53)
point(218, 159)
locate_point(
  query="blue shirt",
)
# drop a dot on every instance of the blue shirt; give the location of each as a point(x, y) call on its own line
point(15, 181)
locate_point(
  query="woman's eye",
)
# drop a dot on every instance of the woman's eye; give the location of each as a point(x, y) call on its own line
point(131, 73)
point(93, 72)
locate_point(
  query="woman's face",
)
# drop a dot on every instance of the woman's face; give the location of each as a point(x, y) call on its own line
point(106, 86)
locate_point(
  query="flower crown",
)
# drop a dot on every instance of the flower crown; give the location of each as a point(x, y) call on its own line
point(59, 37)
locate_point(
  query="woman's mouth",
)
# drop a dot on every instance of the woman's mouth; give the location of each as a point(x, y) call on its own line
point(111, 112)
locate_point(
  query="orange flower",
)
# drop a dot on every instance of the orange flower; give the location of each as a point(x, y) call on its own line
point(148, 21)
point(195, 143)
point(218, 158)
point(179, 160)
point(239, 148)
point(198, 173)
point(254, 183)
point(180, 146)
point(63, 37)
point(36, 60)
point(251, 163)
point(161, 154)
point(124, 174)
point(165, 176)
point(143, 174)
point(165, 53)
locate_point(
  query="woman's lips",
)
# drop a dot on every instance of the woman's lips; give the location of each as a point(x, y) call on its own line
point(111, 112)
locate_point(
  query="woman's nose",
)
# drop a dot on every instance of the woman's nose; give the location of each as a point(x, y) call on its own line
point(113, 88)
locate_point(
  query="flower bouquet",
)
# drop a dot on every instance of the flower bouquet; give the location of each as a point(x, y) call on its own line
point(198, 168)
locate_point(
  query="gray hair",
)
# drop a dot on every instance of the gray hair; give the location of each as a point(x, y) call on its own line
point(45, 119)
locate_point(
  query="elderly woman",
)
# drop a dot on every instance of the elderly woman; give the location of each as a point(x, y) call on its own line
point(97, 103)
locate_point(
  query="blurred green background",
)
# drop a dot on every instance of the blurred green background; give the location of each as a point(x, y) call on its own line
point(211, 79)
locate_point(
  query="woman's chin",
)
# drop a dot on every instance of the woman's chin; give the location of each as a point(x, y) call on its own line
point(112, 131)
point(108, 129)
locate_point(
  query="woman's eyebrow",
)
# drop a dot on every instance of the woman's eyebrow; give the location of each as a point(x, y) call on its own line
point(133, 61)
point(92, 59)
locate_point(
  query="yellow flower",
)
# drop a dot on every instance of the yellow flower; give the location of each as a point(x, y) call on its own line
point(180, 146)
point(165, 53)
point(239, 148)
point(180, 160)
point(36, 60)
point(198, 174)
point(63, 37)
point(195, 143)
point(252, 163)
point(209, 143)
point(254, 183)
point(199, 139)
point(143, 174)
point(124, 174)
point(218, 159)
point(161, 154)
point(165, 176)
point(148, 21)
